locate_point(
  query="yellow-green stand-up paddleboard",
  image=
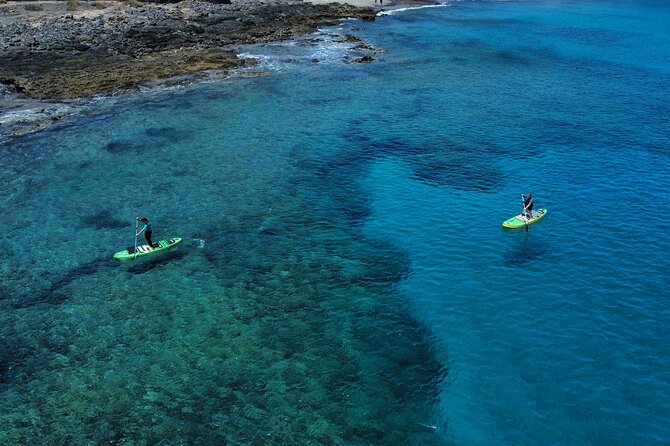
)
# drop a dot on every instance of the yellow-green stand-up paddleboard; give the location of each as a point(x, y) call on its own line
point(144, 250)
point(520, 221)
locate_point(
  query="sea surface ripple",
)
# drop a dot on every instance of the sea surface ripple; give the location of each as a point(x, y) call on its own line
point(344, 277)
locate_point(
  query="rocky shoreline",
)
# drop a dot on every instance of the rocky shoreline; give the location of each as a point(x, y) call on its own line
point(47, 52)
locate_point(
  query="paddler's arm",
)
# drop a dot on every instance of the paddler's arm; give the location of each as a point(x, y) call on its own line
point(141, 230)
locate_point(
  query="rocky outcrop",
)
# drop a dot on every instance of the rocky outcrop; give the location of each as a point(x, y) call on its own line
point(73, 55)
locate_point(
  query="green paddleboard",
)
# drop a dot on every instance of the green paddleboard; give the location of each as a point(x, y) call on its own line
point(520, 222)
point(144, 250)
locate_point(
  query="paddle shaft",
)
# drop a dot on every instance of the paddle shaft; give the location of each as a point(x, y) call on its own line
point(136, 227)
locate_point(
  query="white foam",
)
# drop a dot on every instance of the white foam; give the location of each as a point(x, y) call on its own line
point(324, 46)
point(265, 62)
point(32, 114)
point(411, 8)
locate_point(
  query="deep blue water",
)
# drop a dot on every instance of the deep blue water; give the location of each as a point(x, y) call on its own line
point(344, 277)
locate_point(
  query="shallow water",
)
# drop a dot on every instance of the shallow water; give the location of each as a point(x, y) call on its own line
point(344, 277)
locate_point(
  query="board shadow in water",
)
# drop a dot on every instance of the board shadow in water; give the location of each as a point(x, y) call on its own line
point(144, 265)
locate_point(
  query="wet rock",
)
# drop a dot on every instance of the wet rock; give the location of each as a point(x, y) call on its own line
point(68, 56)
point(365, 59)
point(34, 7)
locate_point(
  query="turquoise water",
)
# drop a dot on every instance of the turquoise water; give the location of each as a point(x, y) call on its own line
point(344, 277)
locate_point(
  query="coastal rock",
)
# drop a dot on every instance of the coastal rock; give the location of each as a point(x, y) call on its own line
point(364, 59)
point(71, 54)
point(71, 76)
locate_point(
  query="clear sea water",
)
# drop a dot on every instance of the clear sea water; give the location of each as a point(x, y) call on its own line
point(344, 278)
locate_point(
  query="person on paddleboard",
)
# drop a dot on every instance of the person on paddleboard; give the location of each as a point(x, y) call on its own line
point(147, 231)
point(527, 206)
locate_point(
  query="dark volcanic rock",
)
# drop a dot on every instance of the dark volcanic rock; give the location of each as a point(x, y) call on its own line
point(364, 59)
point(68, 55)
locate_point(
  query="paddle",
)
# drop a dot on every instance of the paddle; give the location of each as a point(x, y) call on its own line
point(136, 226)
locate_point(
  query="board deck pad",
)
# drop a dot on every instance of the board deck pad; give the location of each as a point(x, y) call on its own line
point(143, 250)
point(519, 221)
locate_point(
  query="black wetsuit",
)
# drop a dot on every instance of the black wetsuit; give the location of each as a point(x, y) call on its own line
point(147, 233)
point(528, 205)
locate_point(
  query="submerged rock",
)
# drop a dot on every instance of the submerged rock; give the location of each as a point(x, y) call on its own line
point(271, 226)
